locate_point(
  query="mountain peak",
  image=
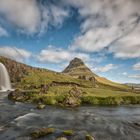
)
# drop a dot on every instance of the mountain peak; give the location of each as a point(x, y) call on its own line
point(76, 62)
point(77, 67)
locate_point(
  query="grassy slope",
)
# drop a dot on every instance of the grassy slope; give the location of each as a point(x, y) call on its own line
point(108, 83)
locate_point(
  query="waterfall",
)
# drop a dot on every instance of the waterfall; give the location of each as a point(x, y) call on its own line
point(5, 83)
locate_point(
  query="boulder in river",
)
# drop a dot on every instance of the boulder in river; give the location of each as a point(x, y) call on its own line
point(89, 137)
point(42, 132)
point(68, 132)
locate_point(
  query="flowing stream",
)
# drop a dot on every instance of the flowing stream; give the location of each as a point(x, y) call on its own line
point(17, 120)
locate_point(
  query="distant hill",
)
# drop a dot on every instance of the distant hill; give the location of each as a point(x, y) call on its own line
point(77, 68)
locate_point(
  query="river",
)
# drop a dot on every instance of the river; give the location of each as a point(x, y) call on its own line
point(17, 120)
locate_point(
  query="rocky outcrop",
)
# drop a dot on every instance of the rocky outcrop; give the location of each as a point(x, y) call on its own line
point(16, 70)
point(73, 98)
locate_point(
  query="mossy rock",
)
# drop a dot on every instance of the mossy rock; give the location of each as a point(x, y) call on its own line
point(89, 137)
point(68, 132)
point(41, 106)
point(42, 132)
point(49, 100)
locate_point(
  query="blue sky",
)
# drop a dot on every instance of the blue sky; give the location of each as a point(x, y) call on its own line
point(49, 33)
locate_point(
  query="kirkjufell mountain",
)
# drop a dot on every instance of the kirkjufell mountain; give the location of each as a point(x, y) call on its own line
point(78, 68)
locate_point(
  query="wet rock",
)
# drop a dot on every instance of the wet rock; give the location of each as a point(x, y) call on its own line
point(41, 106)
point(89, 137)
point(68, 132)
point(42, 132)
point(62, 138)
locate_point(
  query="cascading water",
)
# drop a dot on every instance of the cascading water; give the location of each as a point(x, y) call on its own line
point(5, 83)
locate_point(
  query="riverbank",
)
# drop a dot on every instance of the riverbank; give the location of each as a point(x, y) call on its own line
point(66, 97)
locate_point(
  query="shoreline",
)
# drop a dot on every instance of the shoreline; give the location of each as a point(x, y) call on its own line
point(86, 100)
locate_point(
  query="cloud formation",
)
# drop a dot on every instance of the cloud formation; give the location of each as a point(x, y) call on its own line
point(53, 15)
point(58, 55)
point(109, 24)
point(14, 53)
point(24, 14)
point(30, 16)
point(105, 68)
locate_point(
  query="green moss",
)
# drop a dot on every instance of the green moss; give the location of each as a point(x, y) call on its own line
point(49, 100)
point(42, 132)
point(41, 106)
point(68, 132)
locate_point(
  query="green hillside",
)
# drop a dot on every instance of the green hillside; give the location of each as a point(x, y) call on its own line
point(25, 76)
point(75, 85)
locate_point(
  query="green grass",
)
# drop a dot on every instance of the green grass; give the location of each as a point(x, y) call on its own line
point(37, 78)
point(92, 96)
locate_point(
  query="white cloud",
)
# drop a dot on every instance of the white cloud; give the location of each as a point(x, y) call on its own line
point(58, 14)
point(135, 76)
point(32, 16)
point(52, 15)
point(105, 68)
point(107, 21)
point(129, 46)
point(95, 40)
point(124, 73)
point(58, 55)
point(136, 66)
point(3, 32)
point(24, 14)
point(15, 53)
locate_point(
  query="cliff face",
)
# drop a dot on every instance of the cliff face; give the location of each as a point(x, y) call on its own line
point(77, 68)
point(16, 70)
